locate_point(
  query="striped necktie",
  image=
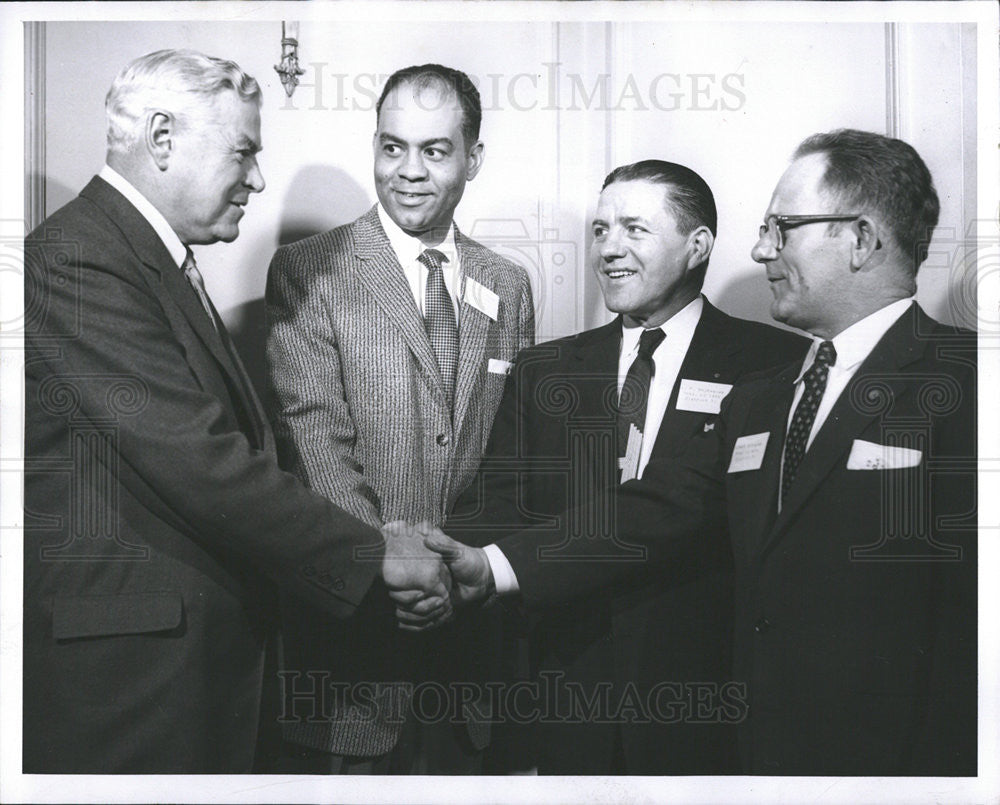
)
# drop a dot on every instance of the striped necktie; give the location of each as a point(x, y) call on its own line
point(194, 277)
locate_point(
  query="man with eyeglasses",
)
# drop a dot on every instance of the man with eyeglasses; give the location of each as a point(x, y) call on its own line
point(847, 483)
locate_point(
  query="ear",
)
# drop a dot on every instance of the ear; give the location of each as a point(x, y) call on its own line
point(700, 243)
point(866, 247)
point(161, 128)
point(474, 161)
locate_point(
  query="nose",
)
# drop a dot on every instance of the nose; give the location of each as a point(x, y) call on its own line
point(764, 249)
point(255, 179)
point(611, 247)
point(412, 167)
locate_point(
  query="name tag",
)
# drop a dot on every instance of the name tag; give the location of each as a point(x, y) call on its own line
point(481, 298)
point(872, 456)
point(748, 452)
point(499, 367)
point(701, 396)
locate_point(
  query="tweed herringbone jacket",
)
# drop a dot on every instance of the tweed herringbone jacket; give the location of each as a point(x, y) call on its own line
point(361, 416)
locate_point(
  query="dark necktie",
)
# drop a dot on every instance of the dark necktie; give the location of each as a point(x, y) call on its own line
point(635, 390)
point(439, 321)
point(805, 413)
point(194, 277)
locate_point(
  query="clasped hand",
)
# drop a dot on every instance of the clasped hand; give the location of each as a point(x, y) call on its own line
point(428, 574)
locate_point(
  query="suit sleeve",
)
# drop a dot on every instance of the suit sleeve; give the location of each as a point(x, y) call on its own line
point(946, 740)
point(675, 513)
point(104, 343)
point(526, 313)
point(312, 418)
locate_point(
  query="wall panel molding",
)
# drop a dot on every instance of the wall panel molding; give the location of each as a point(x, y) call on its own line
point(34, 124)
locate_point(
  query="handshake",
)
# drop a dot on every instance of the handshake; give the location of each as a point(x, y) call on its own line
point(429, 574)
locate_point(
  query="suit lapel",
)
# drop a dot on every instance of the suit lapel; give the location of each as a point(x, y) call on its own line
point(154, 255)
point(382, 274)
point(768, 414)
point(474, 325)
point(594, 365)
point(877, 382)
point(711, 356)
point(596, 356)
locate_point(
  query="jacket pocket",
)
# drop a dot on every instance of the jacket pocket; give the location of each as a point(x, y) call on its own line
point(126, 613)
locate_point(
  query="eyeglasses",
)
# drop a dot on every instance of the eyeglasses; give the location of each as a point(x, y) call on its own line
point(774, 226)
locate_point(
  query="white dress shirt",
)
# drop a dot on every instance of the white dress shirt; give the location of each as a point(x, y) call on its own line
point(178, 251)
point(853, 345)
point(667, 358)
point(409, 248)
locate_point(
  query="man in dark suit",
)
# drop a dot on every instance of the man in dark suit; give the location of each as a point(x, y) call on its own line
point(846, 482)
point(156, 517)
point(389, 343)
point(553, 447)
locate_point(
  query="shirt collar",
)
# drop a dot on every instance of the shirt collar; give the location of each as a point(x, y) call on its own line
point(685, 319)
point(178, 251)
point(856, 343)
point(409, 248)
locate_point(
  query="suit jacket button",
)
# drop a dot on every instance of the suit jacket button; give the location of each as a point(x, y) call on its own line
point(442, 439)
point(338, 583)
point(309, 571)
point(762, 626)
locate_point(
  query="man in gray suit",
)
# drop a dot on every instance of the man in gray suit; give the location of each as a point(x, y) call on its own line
point(389, 344)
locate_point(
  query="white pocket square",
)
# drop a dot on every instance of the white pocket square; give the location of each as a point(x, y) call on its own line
point(871, 456)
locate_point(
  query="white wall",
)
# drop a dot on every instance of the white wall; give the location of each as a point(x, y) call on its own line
point(729, 100)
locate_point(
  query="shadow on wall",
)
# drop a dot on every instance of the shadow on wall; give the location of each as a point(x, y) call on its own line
point(320, 197)
point(745, 296)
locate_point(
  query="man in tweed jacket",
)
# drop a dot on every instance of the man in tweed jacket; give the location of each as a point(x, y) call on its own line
point(363, 416)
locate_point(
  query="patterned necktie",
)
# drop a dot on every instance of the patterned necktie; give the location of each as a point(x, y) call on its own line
point(635, 390)
point(805, 413)
point(439, 321)
point(194, 277)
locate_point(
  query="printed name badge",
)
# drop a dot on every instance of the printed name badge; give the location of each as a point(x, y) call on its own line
point(499, 367)
point(701, 396)
point(748, 452)
point(482, 298)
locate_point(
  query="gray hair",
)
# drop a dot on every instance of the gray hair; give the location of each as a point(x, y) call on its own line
point(172, 80)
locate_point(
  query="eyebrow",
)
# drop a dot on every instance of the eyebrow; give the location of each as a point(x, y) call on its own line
point(384, 137)
point(628, 219)
point(244, 143)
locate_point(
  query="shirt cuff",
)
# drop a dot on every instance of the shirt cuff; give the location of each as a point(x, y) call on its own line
point(503, 574)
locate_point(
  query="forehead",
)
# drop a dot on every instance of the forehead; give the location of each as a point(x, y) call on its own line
point(433, 110)
point(636, 198)
point(800, 190)
point(236, 118)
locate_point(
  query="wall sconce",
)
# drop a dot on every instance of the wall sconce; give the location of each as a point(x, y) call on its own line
point(289, 69)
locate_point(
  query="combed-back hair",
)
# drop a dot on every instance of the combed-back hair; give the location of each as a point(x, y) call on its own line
point(688, 196)
point(172, 80)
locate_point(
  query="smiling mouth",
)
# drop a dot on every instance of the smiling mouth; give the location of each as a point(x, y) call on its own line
point(619, 274)
point(408, 196)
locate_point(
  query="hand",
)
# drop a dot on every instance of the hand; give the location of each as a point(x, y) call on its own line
point(471, 575)
point(417, 578)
